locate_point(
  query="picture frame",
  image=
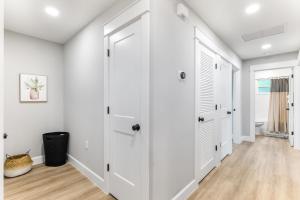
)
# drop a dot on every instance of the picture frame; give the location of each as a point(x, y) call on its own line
point(33, 88)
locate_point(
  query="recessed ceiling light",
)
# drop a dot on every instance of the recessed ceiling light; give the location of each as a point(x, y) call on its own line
point(266, 46)
point(252, 9)
point(52, 11)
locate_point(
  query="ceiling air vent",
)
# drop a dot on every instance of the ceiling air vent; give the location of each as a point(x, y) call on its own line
point(264, 33)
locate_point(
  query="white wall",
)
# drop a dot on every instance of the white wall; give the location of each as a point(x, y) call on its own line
point(1, 94)
point(84, 92)
point(172, 101)
point(262, 100)
point(246, 84)
point(25, 122)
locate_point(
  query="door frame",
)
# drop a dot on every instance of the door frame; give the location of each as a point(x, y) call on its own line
point(139, 10)
point(253, 69)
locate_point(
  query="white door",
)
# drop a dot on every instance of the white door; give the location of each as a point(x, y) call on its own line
point(296, 107)
point(225, 103)
point(291, 109)
point(235, 106)
point(205, 111)
point(125, 98)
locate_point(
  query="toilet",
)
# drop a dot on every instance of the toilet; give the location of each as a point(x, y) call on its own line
point(259, 127)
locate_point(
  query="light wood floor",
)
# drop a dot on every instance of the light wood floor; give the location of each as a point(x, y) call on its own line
point(45, 183)
point(265, 170)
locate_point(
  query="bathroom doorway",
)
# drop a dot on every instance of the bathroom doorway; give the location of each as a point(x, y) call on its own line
point(273, 102)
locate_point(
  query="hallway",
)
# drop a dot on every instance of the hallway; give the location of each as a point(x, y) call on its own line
point(264, 170)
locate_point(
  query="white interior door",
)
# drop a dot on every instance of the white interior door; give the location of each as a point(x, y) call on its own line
point(205, 111)
point(236, 107)
point(225, 103)
point(126, 128)
point(296, 107)
point(291, 109)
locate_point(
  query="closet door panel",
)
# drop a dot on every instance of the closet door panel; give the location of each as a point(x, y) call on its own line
point(205, 111)
point(291, 109)
point(225, 105)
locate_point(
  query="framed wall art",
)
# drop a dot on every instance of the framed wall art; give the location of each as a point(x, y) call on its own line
point(33, 88)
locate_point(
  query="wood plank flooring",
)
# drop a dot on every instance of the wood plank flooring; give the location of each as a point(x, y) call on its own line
point(265, 170)
point(46, 183)
point(268, 169)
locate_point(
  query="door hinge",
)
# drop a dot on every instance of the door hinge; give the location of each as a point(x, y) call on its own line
point(108, 53)
point(108, 110)
point(107, 167)
point(216, 66)
point(216, 107)
point(216, 147)
point(292, 75)
point(292, 104)
point(292, 133)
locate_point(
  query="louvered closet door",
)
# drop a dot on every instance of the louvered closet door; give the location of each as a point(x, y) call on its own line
point(206, 113)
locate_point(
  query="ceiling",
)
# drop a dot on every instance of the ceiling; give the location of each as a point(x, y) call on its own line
point(227, 18)
point(29, 17)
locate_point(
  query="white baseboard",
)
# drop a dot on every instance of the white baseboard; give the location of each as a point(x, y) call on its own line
point(247, 139)
point(92, 176)
point(186, 192)
point(37, 160)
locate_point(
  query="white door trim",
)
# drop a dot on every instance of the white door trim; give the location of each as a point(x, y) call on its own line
point(253, 69)
point(130, 13)
point(145, 20)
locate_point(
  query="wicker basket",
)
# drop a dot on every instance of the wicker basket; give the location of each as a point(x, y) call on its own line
point(17, 165)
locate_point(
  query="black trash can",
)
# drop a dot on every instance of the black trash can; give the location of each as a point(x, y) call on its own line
point(56, 148)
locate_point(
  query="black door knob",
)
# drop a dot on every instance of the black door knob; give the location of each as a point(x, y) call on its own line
point(136, 127)
point(5, 135)
point(201, 119)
